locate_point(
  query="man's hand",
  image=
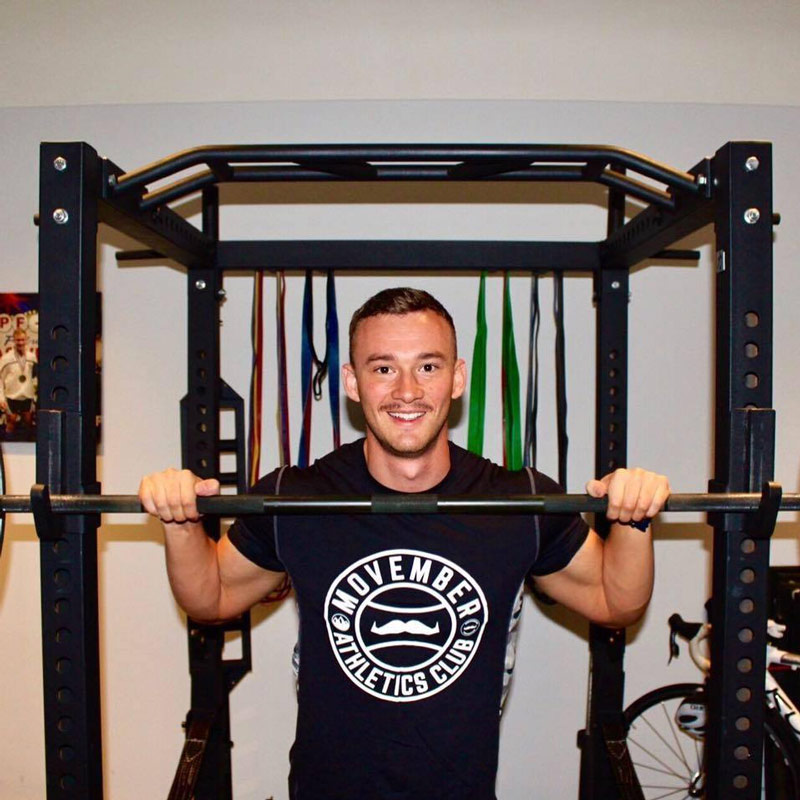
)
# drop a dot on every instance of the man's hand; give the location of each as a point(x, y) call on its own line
point(211, 580)
point(633, 494)
point(172, 495)
point(610, 580)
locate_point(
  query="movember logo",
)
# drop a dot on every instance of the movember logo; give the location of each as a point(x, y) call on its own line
point(404, 624)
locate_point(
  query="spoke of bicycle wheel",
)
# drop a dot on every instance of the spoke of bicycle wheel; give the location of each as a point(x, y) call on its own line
point(670, 773)
point(668, 793)
point(670, 770)
point(674, 729)
point(698, 757)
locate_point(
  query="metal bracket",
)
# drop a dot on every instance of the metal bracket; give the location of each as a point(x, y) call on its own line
point(762, 522)
point(48, 526)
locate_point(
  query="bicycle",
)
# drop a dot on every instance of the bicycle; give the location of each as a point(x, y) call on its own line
point(666, 726)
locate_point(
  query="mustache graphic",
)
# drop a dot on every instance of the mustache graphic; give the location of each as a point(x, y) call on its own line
point(398, 626)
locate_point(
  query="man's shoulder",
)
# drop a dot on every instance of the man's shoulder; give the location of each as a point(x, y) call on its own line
point(472, 472)
point(331, 472)
point(484, 472)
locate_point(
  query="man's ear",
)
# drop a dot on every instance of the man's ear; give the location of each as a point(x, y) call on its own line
point(350, 383)
point(459, 378)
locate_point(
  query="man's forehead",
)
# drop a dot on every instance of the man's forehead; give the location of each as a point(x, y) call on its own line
point(428, 330)
point(423, 320)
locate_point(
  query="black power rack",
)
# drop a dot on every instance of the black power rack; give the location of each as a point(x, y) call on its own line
point(78, 190)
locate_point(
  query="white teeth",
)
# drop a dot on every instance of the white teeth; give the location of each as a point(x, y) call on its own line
point(407, 417)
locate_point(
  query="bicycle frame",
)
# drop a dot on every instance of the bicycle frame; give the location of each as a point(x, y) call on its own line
point(776, 697)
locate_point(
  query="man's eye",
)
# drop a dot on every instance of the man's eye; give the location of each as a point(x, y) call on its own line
point(383, 370)
point(429, 367)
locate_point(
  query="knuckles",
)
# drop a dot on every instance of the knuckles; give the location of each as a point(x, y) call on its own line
point(164, 494)
point(633, 491)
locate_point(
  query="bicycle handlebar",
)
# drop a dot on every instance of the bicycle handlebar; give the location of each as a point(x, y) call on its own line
point(686, 630)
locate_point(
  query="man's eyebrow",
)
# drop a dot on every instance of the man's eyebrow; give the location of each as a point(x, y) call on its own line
point(380, 357)
point(420, 357)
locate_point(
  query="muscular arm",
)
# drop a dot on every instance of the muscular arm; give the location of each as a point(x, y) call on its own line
point(610, 582)
point(211, 581)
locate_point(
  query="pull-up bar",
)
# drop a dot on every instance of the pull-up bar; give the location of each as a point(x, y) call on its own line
point(270, 163)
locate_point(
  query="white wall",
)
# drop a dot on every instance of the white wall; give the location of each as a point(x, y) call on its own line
point(111, 51)
point(143, 646)
point(498, 64)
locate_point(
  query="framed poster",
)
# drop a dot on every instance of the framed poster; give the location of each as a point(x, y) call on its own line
point(19, 366)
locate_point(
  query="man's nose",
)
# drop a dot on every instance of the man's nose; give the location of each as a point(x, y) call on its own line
point(407, 388)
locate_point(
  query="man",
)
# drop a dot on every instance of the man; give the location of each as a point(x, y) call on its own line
point(18, 384)
point(404, 619)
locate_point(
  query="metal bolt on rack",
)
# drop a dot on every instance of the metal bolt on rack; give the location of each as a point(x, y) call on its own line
point(752, 164)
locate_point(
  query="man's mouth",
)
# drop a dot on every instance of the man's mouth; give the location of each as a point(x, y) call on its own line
point(406, 416)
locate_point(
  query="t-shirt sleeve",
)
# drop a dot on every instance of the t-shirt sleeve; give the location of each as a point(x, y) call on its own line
point(254, 535)
point(560, 535)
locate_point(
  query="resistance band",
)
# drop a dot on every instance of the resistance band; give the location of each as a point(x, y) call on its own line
point(532, 393)
point(512, 448)
point(282, 590)
point(311, 385)
point(477, 388)
point(283, 383)
point(256, 338)
point(561, 378)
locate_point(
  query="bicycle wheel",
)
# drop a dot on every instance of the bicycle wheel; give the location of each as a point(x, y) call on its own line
point(668, 761)
point(668, 757)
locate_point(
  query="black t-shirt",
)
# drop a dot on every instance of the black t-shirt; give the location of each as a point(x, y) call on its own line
point(404, 622)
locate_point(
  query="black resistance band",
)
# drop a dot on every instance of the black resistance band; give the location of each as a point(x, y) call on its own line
point(532, 393)
point(561, 378)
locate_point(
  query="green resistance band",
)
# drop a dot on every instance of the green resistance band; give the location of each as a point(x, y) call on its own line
point(512, 444)
point(477, 389)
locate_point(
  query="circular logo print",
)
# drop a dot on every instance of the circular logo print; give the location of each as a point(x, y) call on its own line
point(404, 624)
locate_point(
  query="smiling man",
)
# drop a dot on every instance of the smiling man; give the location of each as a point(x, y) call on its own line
point(404, 372)
point(405, 619)
point(18, 384)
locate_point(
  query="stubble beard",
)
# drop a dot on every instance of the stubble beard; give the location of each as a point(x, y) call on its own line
point(410, 452)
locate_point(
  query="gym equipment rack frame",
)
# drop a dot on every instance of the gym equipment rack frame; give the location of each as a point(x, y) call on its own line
point(78, 190)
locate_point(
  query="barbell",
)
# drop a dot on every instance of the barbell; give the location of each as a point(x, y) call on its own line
point(238, 504)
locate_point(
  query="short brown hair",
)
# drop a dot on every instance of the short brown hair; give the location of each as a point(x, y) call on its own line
point(400, 300)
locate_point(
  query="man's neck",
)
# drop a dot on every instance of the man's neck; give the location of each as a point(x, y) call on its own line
point(408, 474)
